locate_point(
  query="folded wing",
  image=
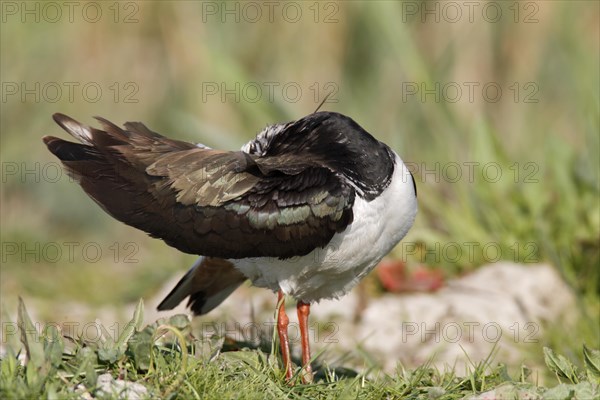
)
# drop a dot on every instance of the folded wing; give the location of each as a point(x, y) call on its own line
point(205, 201)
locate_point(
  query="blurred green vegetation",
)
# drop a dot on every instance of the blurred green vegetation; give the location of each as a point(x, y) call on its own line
point(541, 132)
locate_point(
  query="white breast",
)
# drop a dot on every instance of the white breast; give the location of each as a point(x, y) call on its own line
point(332, 271)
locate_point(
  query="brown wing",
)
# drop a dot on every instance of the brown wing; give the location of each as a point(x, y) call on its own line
point(204, 201)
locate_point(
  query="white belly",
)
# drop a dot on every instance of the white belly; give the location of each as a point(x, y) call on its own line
point(332, 271)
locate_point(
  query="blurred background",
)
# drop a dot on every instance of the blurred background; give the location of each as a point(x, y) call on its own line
point(493, 106)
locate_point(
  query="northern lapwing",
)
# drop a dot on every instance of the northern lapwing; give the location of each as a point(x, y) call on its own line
point(305, 209)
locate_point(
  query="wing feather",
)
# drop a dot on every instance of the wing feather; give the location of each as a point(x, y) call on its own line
point(205, 201)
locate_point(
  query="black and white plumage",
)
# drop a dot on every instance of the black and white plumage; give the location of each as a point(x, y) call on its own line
point(306, 209)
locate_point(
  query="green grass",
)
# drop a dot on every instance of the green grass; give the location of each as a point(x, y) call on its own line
point(170, 363)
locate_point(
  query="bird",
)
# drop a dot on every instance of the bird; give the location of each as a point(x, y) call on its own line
point(306, 209)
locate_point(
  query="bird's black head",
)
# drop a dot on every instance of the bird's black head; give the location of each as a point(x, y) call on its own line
point(342, 145)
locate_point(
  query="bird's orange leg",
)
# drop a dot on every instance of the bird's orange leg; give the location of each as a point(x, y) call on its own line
point(303, 310)
point(282, 329)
